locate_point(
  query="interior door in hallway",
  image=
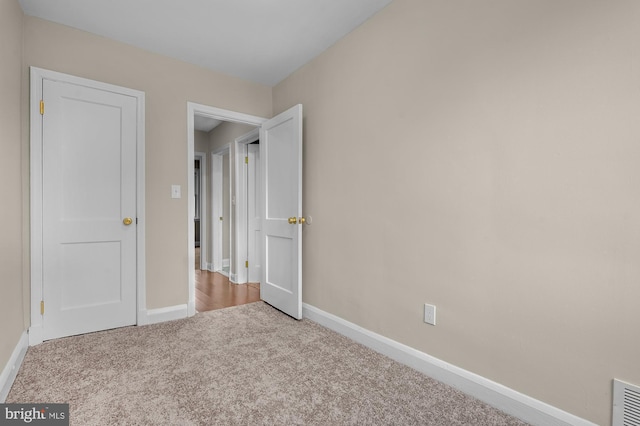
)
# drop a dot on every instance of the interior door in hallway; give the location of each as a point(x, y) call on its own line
point(89, 209)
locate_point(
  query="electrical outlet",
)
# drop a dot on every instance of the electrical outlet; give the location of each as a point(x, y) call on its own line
point(430, 314)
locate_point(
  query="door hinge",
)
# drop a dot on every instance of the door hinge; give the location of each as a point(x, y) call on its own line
point(246, 160)
point(42, 307)
point(41, 107)
point(246, 263)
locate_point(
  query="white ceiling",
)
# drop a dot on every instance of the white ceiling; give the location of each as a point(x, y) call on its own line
point(205, 124)
point(257, 40)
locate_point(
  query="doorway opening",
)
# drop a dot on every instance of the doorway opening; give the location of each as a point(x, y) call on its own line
point(281, 204)
point(200, 199)
point(213, 278)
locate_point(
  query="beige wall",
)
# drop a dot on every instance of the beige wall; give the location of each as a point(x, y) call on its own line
point(11, 214)
point(226, 133)
point(168, 85)
point(200, 141)
point(483, 157)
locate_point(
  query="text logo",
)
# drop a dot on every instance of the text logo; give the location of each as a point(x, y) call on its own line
point(34, 414)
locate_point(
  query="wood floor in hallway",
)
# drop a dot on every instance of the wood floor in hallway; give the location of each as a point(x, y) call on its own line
point(215, 291)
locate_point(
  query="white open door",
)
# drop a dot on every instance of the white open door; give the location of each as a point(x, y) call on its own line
point(281, 158)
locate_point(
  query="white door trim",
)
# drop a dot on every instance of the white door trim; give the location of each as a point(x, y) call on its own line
point(37, 76)
point(204, 200)
point(242, 250)
point(219, 114)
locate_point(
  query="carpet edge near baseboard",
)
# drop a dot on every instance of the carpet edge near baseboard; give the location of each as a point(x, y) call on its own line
point(10, 370)
point(506, 399)
point(499, 396)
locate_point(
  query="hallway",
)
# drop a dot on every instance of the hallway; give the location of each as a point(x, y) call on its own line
point(215, 291)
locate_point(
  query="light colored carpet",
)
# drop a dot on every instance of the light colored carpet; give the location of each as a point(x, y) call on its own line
point(246, 365)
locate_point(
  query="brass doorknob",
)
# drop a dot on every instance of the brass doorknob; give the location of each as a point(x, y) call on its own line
point(127, 221)
point(302, 220)
point(293, 220)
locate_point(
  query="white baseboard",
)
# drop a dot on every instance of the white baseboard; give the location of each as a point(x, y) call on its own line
point(226, 263)
point(170, 313)
point(10, 370)
point(506, 399)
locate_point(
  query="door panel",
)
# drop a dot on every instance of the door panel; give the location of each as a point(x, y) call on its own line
point(281, 156)
point(282, 182)
point(79, 159)
point(278, 271)
point(104, 282)
point(89, 187)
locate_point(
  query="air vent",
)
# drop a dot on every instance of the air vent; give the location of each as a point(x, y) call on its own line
point(626, 404)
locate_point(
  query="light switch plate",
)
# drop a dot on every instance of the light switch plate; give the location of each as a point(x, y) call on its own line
point(175, 191)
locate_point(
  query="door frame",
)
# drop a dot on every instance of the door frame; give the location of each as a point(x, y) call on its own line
point(241, 216)
point(37, 75)
point(194, 109)
point(204, 200)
